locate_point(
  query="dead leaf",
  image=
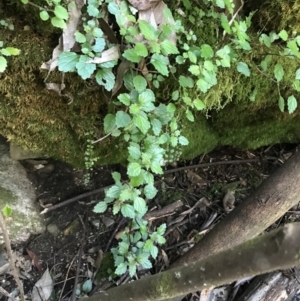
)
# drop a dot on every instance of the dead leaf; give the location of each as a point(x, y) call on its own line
point(195, 178)
point(55, 87)
point(122, 69)
point(165, 258)
point(43, 288)
point(67, 39)
point(108, 31)
point(228, 201)
point(108, 55)
point(36, 260)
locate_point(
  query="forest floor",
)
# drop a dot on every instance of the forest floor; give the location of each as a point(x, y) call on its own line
point(75, 247)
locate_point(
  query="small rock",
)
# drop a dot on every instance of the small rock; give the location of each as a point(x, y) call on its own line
point(107, 221)
point(53, 229)
point(46, 169)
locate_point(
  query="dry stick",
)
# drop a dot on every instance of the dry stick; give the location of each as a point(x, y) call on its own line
point(76, 198)
point(278, 249)
point(10, 256)
point(201, 165)
point(86, 194)
point(73, 297)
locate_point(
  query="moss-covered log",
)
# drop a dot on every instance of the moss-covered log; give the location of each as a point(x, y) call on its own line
point(43, 121)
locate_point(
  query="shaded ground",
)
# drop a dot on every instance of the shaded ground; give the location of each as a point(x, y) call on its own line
point(74, 231)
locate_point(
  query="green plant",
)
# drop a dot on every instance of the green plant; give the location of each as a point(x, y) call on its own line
point(7, 51)
point(146, 53)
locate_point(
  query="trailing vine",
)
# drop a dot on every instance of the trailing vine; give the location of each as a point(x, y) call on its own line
point(146, 49)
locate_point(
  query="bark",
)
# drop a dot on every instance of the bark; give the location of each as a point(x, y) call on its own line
point(271, 287)
point(269, 202)
point(278, 249)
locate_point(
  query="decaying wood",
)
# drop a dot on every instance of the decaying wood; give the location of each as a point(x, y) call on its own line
point(271, 287)
point(278, 249)
point(165, 211)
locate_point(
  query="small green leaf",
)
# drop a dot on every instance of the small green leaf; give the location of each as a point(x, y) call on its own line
point(183, 141)
point(148, 245)
point(85, 70)
point(243, 68)
point(116, 208)
point(3, 63)
point(132, 56)
point(128, 211)
point(124, 98)
point(265, 39)
point(99, 45)
point(87, 286)
point(57, 22)
point(24, 1)
point(175, 95)
point(100, 207)
point(139, 83)
point(161, 229)
point(134, 169)
point(189, 115)
point(292, 104)
point(142, 122)
point(167, 47)
point(283, 34)
point(199, 104)
point(225, 23)
point(281, 104)
point(113, 192)
point(278, 72)
point(160, 63)
point(132, 269)
point(134, 152)
point(156, 168)
point(150, 191)
point(143, 259)
point(140, 205)
point(122, 119)
point(121, 269)
point(79, 37)
point(113, 8)
point(149, 32)
point(60, 12)
point(154, 252)
point(44, 15)
point(206, 51)
point(67, 61)
point(116, 176)
point(109, 123)
point(140, 49)
point(156, 126)
point(186, 82)
point(7, 211)
point(11, 51)
point(105, 77)
point(298, 74)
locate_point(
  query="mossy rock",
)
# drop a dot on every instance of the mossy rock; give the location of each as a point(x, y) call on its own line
point(40, 120)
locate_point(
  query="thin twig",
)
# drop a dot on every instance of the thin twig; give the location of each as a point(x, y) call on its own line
point(66, 278)
point(76, 198)
point(102, 138)
point(114, 233)
point(201, 165)
point(73, 297)
point(10, 256)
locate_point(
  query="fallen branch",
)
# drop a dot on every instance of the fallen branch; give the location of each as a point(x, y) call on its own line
point(10, 257)
point(278, 249)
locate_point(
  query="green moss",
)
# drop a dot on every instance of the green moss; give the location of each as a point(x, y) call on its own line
point(164, 287)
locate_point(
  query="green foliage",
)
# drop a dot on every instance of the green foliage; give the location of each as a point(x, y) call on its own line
point(149, 128)
point(7, 211)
